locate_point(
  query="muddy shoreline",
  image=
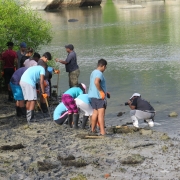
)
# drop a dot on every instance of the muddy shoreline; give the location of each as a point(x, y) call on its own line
point(48, 151)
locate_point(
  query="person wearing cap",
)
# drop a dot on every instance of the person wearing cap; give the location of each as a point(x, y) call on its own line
point(98, 93)
point(68, 100)
point(71, 66)
point(141, 109)
point(28, 82)
point(29, 53)
point(21, 53)
point(32, 61)
point(9, 59)
point(83, 103)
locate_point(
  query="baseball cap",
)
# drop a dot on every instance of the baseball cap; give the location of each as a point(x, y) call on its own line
point(10, 43)
point(135, 94)
point(69, 46)
point(23, 45)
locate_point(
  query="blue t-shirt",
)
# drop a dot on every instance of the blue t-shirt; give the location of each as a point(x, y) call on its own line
point(93, 91)
point(32, 75)
point(16, 77)
point(59, 111)
point(84, 98)
point(74, 92)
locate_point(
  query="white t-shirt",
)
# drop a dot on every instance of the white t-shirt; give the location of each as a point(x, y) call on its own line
point(30, 62)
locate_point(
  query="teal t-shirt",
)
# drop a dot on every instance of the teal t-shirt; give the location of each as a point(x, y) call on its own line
point(74, 92)
point(59, 111)
point(32, 75)
point(93, 91)
point(84, 98)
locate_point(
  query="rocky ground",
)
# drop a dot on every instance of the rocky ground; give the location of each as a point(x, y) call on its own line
point(44, 150)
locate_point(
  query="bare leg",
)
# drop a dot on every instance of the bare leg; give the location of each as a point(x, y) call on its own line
point(21, 104)
point(101, 114)
point(30, 105)
point(94, 120)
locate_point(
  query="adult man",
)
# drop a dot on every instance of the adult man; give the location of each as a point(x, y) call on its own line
point(141, 109)
point(28, 82)
point(97, 94)
point(9, 58)
point(17, 91)
point(32, 62)
point(21, 53)
point(71, 66)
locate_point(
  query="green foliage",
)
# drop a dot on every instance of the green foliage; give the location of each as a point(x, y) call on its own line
point(19, 24)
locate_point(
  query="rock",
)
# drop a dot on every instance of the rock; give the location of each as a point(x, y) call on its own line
point(164, 137)
point(146, 132)
point(45, 166)
point(133, 159)
point(13, 147)
point(79, 177)
point(122, 129)
point(73, 20)
point(120, 114)
point(164, 148)
point(110, 161)
point(173, 114)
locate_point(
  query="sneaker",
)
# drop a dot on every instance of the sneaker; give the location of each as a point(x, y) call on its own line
point(151, 123)
point(135, 123)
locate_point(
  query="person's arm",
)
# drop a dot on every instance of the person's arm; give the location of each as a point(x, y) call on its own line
point(42, 83)
point(98, 86)
point(132, 104)
point(61, 61)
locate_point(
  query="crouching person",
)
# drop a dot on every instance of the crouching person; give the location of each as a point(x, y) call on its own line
point(28, 82)
point(68, 100)
point(83, 102)
point(141, 109)
point(60, 114)
point(17, 91)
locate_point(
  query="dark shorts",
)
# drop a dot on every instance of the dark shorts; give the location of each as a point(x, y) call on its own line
point(98, 103)
point(8, 72)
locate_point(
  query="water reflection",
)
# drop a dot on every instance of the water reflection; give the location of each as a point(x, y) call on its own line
point(141, 46)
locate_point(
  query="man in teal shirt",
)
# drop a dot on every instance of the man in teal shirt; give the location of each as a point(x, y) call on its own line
point(97, 93)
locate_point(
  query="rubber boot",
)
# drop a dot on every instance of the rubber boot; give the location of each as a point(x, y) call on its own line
point(70, 119)
point(44, 107)
point(18, 111)
point(84, 122)
point(10, 96)
point(135, 121)
point(23, 111)
point(29, 115)
point(75, 120)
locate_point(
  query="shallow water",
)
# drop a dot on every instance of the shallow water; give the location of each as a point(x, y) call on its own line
point(141, 47)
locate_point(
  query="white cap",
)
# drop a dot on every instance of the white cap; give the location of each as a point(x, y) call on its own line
point(84, 86)
point(135, 94)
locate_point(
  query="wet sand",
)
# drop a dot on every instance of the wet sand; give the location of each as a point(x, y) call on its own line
point(56, 152)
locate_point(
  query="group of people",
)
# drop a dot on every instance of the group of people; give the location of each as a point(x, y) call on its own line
point(27, 75)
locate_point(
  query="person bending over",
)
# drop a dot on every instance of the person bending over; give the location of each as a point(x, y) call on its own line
point(83, 102)
point(141, 109)
point(28, 82)
point(97, 93)
point(68, 100)
point(60, 114)
point(32, 61)
point(71, 66)
point(17, 91)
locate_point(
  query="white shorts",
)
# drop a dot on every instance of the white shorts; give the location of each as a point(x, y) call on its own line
point(29, 92)
point(86, 108)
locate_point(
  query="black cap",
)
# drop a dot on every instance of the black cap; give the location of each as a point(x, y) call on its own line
point(47, 55)
point(10, 44)
point(69, 46)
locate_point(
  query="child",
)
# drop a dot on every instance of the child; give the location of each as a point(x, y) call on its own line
point(68, 100)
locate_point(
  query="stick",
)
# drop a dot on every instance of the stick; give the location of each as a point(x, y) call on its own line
point(58, 84)
point(40, 107)
point(47, 104)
